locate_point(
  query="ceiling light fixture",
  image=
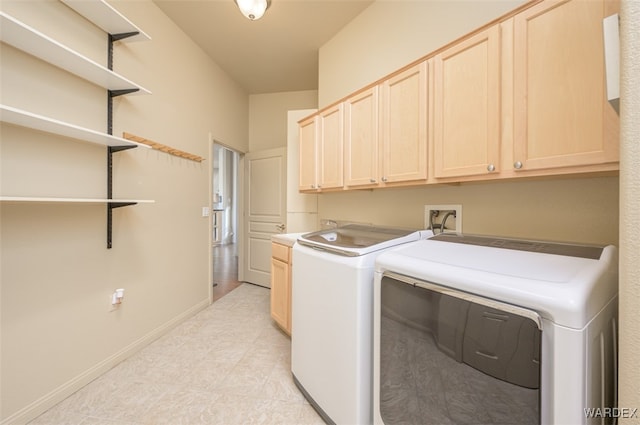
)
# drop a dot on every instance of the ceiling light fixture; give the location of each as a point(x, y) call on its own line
point(253, 9)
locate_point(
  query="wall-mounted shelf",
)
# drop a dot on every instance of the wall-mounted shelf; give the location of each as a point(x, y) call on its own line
point(105, 17)
point(50, 200)
point(32, 41)
point(33, 121)
point(110, 203)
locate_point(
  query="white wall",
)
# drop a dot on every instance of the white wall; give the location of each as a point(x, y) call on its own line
point(268, 116)
point(391, 34)
point(578, 210)
point(58, 331)
point(629, 376)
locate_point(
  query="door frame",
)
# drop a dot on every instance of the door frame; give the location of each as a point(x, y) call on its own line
point(239, 215)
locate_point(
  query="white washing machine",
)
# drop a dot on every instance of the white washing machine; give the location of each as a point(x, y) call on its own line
point(471, 329)
point(332, 317)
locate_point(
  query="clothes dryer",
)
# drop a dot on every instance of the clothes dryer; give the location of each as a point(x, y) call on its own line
point(471, 329)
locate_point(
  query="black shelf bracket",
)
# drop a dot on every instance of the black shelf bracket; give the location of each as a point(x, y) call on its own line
point(111, 205)
point(110, 151)
point(115, 93)
point(112, 39)
point(110, 95)
point(113, 149)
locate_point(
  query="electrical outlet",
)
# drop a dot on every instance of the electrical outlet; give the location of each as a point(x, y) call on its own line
point(116, 299)
point(434, 215)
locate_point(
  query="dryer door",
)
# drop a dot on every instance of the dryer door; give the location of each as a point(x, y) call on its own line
point(448, 357)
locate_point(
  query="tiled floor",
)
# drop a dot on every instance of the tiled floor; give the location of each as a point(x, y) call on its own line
point(227, 365)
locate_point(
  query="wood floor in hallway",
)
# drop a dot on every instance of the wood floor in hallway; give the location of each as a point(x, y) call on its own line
point(225, 270)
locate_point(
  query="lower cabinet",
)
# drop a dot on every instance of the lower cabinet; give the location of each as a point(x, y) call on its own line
point(281, 286)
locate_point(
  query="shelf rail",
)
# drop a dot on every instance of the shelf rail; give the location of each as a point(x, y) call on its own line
point(112, 38)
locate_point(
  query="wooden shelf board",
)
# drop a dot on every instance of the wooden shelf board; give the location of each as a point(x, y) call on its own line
point(72, 200)
point(26, 119)
point(105, 17)
point(33, 42)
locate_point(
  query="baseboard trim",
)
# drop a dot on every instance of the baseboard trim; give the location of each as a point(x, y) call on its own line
point(54, 397)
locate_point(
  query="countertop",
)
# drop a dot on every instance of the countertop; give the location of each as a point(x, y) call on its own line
point(287, 239)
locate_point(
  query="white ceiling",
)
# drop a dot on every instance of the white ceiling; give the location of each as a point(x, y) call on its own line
point(276, 53)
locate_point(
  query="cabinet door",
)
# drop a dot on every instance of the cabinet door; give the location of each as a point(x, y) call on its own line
point(330, 149)
point(467, 106)
point(280, 299)
point(361, 139)
point(308, 137)
point(404, 125)
point(561, 114)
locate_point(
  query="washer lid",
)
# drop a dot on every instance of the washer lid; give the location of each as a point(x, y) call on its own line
point(358, 239)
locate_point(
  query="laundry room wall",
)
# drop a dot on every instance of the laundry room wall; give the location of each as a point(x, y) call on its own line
point(629, 374)
point(577, 210)
point(391, 34)
point(58, 327)
point(268, 116)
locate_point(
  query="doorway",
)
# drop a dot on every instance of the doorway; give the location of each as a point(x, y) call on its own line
point(224, 220)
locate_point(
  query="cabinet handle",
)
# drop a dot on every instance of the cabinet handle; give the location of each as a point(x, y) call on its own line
point(384, 179)
point(372, 180)
point(517, 165)
point(313, 186)
point(491, 168)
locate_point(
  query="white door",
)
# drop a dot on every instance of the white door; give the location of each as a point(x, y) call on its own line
point(264, 212)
